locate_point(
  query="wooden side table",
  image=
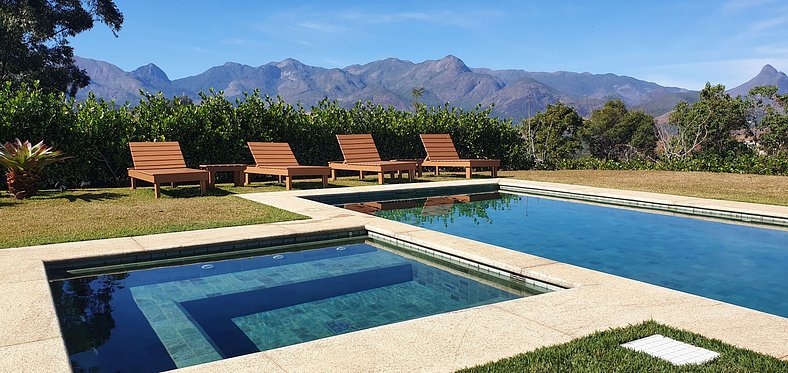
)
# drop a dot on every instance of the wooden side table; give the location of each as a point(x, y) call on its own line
point(236, 168)
point(418, 165)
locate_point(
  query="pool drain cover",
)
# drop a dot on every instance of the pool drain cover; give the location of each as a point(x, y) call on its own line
point(339, 326)
point(678, 353)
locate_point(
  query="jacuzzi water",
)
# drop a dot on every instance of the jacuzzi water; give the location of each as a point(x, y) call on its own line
point(163, 318)
point(735, 263)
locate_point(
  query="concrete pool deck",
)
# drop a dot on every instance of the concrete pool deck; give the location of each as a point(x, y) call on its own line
point(30, 337)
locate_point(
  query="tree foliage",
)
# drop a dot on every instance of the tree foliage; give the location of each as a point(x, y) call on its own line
point(707, 126)
point(34, 43)
point(615, 133)
point(551, 135)
point(769, 119)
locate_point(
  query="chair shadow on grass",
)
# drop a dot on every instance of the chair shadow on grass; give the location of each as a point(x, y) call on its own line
point(188, 191)
point(75, 196)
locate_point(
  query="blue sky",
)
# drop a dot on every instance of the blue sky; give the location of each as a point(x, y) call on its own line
point(677, 43)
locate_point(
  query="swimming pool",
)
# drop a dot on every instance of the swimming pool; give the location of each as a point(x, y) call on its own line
point(161, 318)
point(735, 263)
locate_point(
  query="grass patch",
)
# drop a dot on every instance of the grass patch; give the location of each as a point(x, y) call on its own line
point(600, 352)
point(733, 187)
point(89, 214)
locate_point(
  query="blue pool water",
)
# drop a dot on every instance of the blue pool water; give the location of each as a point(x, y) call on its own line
point(158, 319)
point(738, 264)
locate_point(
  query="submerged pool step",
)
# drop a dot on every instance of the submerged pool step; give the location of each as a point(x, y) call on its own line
point(217, 322)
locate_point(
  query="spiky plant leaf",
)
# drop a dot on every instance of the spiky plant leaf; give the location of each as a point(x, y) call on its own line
point(21, 156)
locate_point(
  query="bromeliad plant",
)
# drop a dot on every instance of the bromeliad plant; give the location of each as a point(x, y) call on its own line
point(25, 163)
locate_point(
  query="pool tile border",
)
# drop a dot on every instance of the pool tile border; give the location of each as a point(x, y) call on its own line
point(445, 342)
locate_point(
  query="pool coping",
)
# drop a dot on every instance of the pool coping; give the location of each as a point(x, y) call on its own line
point(31, 340)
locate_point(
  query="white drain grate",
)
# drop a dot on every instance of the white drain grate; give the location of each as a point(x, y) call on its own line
point(678, 353)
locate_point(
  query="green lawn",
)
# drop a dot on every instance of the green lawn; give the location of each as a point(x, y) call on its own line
point(601, 352)
point(733, 187)
point(87, 214)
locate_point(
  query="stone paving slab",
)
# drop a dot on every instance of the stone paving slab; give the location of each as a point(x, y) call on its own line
point(42, 356)
point(27, 313)
point(676, 352)
point(440, 343)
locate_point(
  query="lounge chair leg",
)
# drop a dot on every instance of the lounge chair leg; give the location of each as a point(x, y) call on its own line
point(238, 178)
point(468, 172)
point(381, 177)
point(133, 183)
point(436, 171)
point(333, 174)
point(361, 175)
point(288, 182)
point(325, 181)
point(157, 190)
point(203, 187)
point(211, 178)
point(280, 179)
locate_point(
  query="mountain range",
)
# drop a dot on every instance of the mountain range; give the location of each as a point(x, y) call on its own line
point(515, 93)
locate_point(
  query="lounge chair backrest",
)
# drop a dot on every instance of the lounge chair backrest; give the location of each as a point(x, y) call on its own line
point(272, 154)
point(439, 147)
point(156, 155)
point(358, 148)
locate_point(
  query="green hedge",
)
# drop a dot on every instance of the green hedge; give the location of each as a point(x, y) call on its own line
point(96, 132)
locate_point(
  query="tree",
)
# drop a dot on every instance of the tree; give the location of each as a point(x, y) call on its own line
point(769, 119)
point(551, 135)
point(706, 126)
point(416, 93)
point(615, 133)
point(34, 41)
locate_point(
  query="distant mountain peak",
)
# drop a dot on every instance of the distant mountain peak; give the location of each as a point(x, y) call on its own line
point(451, 62)
point(289, 62)
point(768, 69)
point(150, 71)
point(767, 76)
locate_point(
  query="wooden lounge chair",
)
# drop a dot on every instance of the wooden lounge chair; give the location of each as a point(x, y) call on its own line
point(361, 155)
point(162, 162)
point(442, 153)
point(276, 158)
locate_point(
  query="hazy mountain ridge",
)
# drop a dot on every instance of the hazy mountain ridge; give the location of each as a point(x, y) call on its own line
point(515, 93)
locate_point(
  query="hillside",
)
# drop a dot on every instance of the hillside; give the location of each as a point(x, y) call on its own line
point(514, 93)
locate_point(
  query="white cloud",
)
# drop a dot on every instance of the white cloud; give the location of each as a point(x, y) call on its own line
point(323, 27)
point(767, 24)
point(737, 6)
point(471, 19)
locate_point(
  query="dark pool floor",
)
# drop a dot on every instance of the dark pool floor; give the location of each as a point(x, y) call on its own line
point(159, 319)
